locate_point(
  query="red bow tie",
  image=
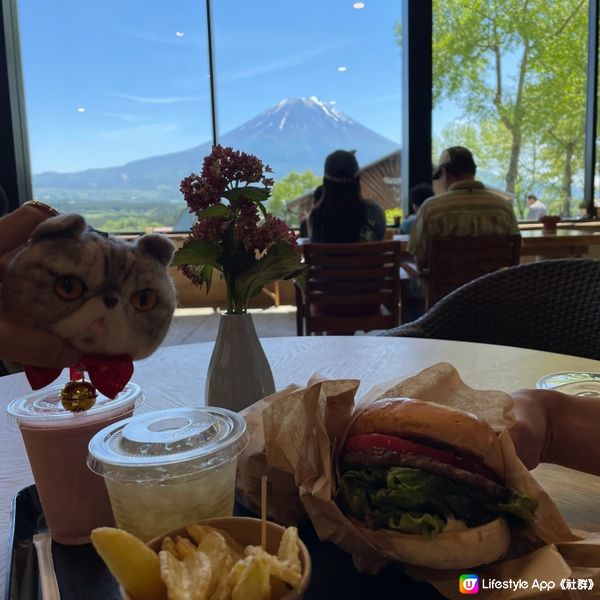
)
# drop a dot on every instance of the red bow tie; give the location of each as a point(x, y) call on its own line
point(108, 374)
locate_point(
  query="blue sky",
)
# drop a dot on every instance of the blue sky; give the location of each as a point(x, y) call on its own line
point(110, 81)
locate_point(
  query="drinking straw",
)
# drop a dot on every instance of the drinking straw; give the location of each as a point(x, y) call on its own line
point(263, 512)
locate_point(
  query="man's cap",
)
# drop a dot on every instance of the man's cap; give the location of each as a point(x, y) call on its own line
point(341, 166)
point(460, 161)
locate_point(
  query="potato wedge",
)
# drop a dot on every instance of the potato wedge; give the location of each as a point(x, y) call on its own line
point(135, 566)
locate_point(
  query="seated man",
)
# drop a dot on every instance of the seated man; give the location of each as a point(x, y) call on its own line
point(465, 208)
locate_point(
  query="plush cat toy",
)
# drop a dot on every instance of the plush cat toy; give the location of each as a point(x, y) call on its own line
point(111, 299)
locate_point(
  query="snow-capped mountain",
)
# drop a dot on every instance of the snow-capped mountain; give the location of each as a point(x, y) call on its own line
point(293, 135)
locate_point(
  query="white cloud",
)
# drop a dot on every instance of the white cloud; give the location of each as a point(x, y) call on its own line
point(156, 100)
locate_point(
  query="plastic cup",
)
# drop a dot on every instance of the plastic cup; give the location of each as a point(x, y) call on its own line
point(168, 468)
point(74, 499)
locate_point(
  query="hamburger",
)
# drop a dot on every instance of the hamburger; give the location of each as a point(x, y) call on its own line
point(426, 480)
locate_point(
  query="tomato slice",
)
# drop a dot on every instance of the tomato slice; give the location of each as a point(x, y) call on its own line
point(367, 441)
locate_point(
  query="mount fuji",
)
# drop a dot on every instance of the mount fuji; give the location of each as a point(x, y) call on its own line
point(293, 135)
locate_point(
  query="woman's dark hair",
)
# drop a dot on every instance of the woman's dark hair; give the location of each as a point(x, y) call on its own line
point(340, 214)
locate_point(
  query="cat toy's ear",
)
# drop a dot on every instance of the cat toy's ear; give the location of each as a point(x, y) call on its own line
point(62, 226)
point(158, 246)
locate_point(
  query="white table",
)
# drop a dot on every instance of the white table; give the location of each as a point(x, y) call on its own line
point(174, 376)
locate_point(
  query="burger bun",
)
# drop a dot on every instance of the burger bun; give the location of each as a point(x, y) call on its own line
point(452, 550)
point(408, 416)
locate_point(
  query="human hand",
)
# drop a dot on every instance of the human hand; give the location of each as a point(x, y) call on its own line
point(35, 347)
point(531, 431)
point(16, 228)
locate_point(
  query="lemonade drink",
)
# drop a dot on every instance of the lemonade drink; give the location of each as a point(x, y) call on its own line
point(169, 468)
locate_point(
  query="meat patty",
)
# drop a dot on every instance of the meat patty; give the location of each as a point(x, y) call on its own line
point(383, 457)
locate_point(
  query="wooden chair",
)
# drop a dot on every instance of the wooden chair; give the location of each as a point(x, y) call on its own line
point(454, 261)
point(348, 288)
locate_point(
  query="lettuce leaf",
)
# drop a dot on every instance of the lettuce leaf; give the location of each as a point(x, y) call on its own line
point(425, 524)
point(415, 501)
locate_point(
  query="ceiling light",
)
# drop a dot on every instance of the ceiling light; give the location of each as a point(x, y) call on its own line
point(179, 33)
point(342, 68)
point(358, 5)
point(81, 109)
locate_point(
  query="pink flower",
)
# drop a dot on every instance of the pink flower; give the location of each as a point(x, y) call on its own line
point(210, 229)
point(272, 230)
point(232, 229)
point(198, 194)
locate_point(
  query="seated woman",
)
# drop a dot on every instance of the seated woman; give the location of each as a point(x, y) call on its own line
point(341, 215)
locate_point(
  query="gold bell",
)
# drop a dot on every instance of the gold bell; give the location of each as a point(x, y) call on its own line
point(77, 396)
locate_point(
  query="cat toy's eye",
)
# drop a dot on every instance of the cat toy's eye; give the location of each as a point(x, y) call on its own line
point(144, 300)
point(69, 287)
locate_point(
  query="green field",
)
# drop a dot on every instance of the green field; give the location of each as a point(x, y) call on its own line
point(124, 212)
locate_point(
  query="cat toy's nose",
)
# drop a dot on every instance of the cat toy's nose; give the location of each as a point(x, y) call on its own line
point(109, 301)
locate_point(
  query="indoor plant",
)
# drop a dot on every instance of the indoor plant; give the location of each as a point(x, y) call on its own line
point(235, 235)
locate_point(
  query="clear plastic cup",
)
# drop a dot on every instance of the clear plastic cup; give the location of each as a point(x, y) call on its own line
point(169, 468)
point(74, 499)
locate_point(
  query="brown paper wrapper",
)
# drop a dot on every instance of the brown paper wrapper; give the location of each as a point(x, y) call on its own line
point(295, 433)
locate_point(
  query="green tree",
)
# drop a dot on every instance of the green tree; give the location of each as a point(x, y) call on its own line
point(517, 68)
point(288, 188)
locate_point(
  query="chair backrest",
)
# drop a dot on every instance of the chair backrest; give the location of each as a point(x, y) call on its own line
point(453, 261)
point(350, 287)
point(552, 305)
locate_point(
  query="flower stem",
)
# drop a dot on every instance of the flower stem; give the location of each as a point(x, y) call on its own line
point(230, 293)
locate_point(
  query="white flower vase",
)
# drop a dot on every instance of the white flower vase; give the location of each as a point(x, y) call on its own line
point(238, 373)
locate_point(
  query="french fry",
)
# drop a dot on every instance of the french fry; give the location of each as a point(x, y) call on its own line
point(289, 549)
point(254, 581)
point(215, 547)
point(198, 532)
point(168, 545)
point(223, 590)
point(278, 588)
point(199, 569)
point(280, 569)
point(184, 547)
point(186, 579)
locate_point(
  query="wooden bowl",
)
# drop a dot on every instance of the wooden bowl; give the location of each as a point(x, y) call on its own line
point(246, 530)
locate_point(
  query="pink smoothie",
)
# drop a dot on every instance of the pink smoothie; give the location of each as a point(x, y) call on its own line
point(73, 498)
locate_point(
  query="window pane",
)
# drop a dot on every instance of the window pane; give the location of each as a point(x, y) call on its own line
point(297, 80)
point(117, 102)
point(509, 83)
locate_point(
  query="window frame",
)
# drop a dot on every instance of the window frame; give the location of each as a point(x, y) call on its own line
point(15, 171)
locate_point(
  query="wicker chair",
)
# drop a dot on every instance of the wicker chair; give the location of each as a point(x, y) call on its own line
point(552, 305)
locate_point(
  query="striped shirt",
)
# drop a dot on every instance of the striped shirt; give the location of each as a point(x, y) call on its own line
point(467, 209)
